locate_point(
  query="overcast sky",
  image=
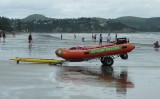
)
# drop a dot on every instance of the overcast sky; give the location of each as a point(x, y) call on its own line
point(80, 8)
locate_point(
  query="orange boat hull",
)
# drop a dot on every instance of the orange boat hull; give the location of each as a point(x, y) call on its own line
point(94, 51)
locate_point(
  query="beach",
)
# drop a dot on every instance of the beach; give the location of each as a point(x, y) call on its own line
point(135, 78)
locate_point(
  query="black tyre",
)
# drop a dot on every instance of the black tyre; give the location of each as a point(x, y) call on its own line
point(107, 61)
point(124, 56)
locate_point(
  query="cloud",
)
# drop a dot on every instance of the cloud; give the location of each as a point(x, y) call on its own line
point(80, 8)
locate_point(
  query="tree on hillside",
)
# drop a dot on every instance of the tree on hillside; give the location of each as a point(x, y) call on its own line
point(5, 24)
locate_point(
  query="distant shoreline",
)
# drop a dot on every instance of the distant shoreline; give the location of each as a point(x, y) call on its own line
point(75, 32)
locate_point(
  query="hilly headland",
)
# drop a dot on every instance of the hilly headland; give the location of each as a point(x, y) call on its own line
point(41, 23)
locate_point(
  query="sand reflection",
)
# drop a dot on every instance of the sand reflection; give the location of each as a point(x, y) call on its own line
point(103, 76)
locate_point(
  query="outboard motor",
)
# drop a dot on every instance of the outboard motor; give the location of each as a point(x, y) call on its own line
point(122, 40)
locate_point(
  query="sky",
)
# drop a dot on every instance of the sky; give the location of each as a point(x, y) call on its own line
point(80, 8)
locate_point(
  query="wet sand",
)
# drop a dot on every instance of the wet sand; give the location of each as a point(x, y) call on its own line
point(43, 81)
point(135, 78)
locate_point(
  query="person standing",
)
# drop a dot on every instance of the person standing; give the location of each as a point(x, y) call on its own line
point(108, 38)
point(116, 38)
point(95, 37)
point(83, 39)
point(100, 39)
point(61, 36)
point(4, 36)
point(92, 36)
point(30, 39)
point(0, 36)
point(74, 36)
point(13, 34)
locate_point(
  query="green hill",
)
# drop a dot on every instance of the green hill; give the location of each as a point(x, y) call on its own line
point(35, 17)
point(95, 24)
point(131, 21)
point(141, 24)
point(154, 23)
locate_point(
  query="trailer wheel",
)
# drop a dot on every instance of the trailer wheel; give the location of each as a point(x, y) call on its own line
point(107, 61)
point(124, 56)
